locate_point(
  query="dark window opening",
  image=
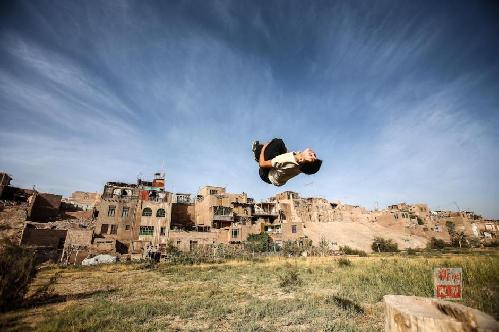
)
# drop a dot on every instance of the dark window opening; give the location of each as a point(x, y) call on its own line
point(160, 213)
point(104, 228)
point(235, 233)
point(114, 229)
point(293, 228)
point(147, 212)
point(111, 211)
point(124, 212)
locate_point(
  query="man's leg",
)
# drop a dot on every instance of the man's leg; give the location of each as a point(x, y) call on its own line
point(276, 147)
point(257, 148)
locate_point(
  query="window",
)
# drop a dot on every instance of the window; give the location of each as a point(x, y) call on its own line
point(160, 213)
point(146, 230)
point(178, 242)
point(213, 191)
point(193, 245)
point(235, 233)
point(293, 228)
point(127, 227)
point(222, 211)
point(162, 231)
point(103, 228)
point(124, 212)
point(114, 229)
point(147, 212)
point(111, 211)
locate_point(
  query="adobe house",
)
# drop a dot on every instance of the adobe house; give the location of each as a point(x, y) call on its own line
point(154, 214)
point(117, 212)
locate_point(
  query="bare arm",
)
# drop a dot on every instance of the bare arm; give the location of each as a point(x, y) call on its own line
point(262, 162)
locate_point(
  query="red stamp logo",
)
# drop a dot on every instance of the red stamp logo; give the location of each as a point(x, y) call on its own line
point(448, 283)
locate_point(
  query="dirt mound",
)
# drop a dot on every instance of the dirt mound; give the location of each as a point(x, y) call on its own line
point(360, 235)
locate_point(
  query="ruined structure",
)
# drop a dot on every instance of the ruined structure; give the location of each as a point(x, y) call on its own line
point(83, 200)
point(43, 206)
point(4, 182)
point(117, 213)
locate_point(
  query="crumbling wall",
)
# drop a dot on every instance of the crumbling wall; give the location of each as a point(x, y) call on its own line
point(187, 240)
point(183, 215)
point(50, 238)
point(43, 206)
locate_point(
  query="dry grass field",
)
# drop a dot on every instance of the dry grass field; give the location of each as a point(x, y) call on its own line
point(273, 294)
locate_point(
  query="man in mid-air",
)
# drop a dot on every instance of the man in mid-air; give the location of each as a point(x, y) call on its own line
point(277, 165)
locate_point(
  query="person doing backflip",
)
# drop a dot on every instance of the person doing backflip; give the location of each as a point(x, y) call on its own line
point(277, 165)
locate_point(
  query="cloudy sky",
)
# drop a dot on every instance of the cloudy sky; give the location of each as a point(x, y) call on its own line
point(399, 98)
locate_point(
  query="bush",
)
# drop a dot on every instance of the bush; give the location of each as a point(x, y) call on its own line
point(258, 242)
point(17, 269)
point(436, 244)
point(350, 251)
point(290, 279)
point(384, 245)
point(291, 248)
point(411, 252)
point(344, 262)
point(491, 244)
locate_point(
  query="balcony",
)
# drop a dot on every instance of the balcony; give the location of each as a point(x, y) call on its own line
point(223, 217)
point(264, 212)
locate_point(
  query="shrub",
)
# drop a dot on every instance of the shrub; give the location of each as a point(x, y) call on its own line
point(291, 248)
point(460, 240)
point(344, 262)
point(411, 252)
point(258, 242)
point(384, 245)
point(436, 244)
point(290, 279)
point(350, 251)
point(17, 269)
point(491, 244)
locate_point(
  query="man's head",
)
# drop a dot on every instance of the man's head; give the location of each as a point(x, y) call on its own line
point(311, 167)
point(309, 164)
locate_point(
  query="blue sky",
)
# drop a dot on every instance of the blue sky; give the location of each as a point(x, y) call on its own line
point(399, 98)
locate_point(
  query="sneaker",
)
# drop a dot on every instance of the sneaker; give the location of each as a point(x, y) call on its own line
point(254, 148)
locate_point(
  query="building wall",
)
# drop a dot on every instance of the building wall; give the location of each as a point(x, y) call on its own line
point(79, 237)
point(183, 215)
point(125, 223)
point(43, 206)
point(52, 238)
point(157, 222)
point(85, 200)
point(185, 240)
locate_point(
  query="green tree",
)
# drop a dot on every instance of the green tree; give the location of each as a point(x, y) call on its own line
point(384, 245)
point(258, 242)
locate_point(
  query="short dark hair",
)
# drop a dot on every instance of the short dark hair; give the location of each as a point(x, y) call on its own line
point(311, 168)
